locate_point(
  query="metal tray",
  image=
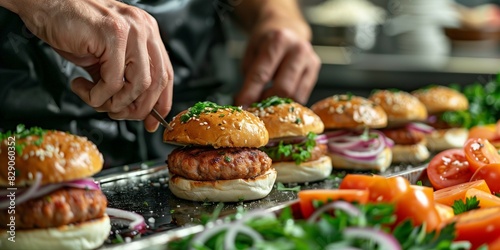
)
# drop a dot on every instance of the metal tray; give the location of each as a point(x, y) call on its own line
point(143, 188)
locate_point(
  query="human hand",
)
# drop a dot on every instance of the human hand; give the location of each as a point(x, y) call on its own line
point(279, 51)
point(119, 45)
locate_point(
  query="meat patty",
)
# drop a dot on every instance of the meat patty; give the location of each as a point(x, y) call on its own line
point(318, 151)
point(404, 136)
point(209, 164)
point(61, 207)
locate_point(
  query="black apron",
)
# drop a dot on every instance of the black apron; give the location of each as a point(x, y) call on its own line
point(35, 81)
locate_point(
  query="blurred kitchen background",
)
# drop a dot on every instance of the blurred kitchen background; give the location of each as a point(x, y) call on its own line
point(404, 44)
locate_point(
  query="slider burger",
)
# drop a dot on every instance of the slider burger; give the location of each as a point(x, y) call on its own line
point(438, 100)
point(405, 114)
point(293, 146)
point(47, 199)
point(219, 159)
point(352, 143)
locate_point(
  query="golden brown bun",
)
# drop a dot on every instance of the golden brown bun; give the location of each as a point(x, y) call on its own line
point(413, 153)
point(87, 235)
point(343, 111)
point(401, 107)
point(382, 162)
point(223, 190)
point(223, 128)
point(442, 139)
point(60, 157)
point(439, 99)
point(289, 172)
point(288, 119)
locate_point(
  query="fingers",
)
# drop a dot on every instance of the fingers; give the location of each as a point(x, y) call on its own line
point(262, 68)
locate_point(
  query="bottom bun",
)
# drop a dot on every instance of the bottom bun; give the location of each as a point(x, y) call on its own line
point(381, 163)
point(86, 235)
point(415, 153)
point(289, 172)
point(442, 139)
point(223, 190)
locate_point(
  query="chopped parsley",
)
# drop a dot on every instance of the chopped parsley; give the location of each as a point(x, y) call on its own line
point(459, 206)
point(205, 107)
point(227, 158)
point(271, 101)
point(300, 152)
point(281, 187)
point(21, 132)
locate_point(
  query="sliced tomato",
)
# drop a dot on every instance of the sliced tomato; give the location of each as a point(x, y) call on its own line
point(449, 168)
point(491, 174)
point(487, 132)
point(307, 197)
point(445, 212)
point(416, 206)
point(479, 226)
point(387, 189)
point(358, 181)
point(485, 199)
point(448, 195)
point(495, 245)
point(427, 190)
point(480, 152)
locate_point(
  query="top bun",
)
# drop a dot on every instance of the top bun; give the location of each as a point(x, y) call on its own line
point(400, 106)
point(57, 155)
point(439, 99)
point(347, 111)
point(209, 124)
point(285, 118)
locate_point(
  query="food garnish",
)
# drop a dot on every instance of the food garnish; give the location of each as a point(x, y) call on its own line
point(459, 206)
point(205, 107)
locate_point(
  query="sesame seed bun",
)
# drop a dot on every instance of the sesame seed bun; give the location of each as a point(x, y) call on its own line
point(345, 111)
point(401, 107)
point(223, 190)
point(438, 99)
point(58, 156)
point(224, 127)
point(288, 119)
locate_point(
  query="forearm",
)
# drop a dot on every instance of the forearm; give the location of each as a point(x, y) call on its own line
point(251, 12)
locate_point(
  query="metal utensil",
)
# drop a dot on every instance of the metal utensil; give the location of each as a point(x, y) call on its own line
point(162, 121)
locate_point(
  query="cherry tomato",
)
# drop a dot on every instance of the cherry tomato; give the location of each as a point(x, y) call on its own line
point(445, 212)
point(416, 206)
point(449, 168)
point(429, 192)
point(480, 152)
point(479, 226)
point(495, 245)
point(491, 174)
point(448, 195)
point(306, 198)
point(485, 199)
point(358, 181)
point(487, 132)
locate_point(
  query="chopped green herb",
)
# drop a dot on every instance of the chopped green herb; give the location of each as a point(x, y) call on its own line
point(227, 158)
point(119, 239)
point(271, 101)
point(282, 187)
point(145, 203)
point(300, 152)
point(459, 206)
point(172, 211)
point(419, 183)
point(205, 107)
point(21, 132)
point(298, 121)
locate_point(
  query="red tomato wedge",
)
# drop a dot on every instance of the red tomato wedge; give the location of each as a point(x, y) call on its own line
point(487, 132)
point(480, 152)
point(416, 206)
point(306, 198)
point(491, 174)
point(448, 195)
point(387, 189)
point(449, 168)
point(485, 199)
point(358, 181)
point(479, 226)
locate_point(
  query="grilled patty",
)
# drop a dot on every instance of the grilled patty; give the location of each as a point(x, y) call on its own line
point(61, 207)
point(209, 164)
point(404, 136)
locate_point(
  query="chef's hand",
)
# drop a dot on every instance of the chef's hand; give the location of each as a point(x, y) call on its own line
point(119, 45)
point(279, 51)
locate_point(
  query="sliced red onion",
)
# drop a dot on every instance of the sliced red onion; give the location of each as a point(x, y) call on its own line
point(321, 139)
point(233, 231)
point(22, 195)
point(352, 146)
point(420, 127)
point(137, 221)
point(200, 239)
point(341, 205)
point(384, 240)
point(36, 191)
